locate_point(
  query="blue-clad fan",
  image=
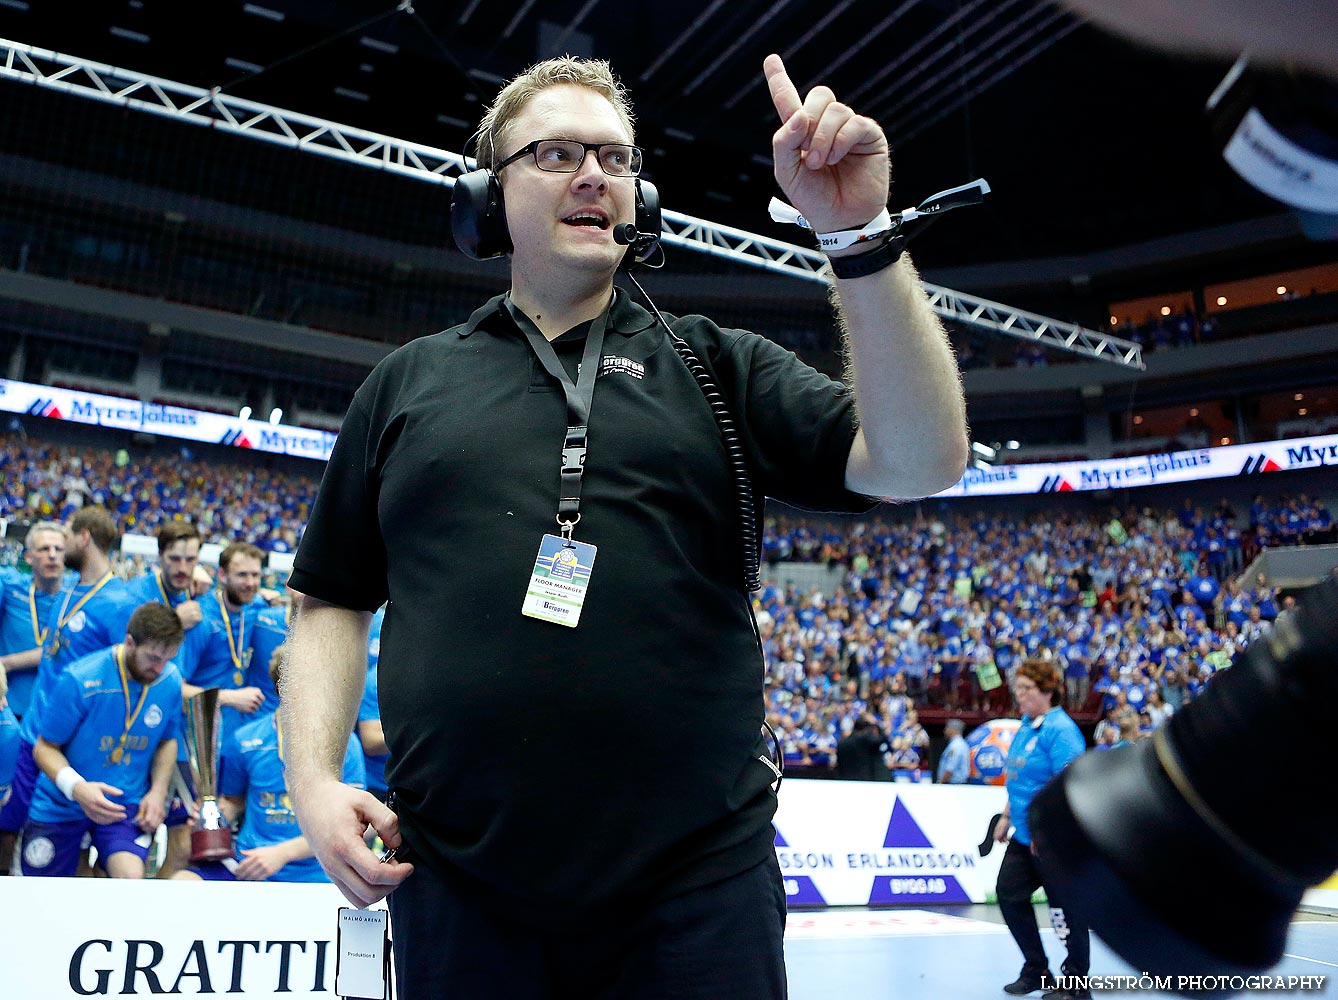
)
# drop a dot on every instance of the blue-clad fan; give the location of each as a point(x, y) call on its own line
point(106, 749)
point(270, 845)
point(1046, 742)
point(25, 605)
point(86, 617)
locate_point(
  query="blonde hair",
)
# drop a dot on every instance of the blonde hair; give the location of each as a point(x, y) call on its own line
point(595, 74)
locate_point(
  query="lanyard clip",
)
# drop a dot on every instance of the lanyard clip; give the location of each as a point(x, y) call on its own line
point(573, 451)
point(565, 525)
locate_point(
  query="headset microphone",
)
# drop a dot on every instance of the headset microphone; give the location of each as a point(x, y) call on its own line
point(626, 234)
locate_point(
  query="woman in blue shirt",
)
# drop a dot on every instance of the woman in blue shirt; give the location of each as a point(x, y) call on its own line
point(1046, 742)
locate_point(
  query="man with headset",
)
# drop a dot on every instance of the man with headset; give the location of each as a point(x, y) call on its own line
point(531, 876)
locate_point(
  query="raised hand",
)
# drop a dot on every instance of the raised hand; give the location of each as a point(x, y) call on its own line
point(832, 164)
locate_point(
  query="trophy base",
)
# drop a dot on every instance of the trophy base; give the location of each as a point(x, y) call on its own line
point(210, 845)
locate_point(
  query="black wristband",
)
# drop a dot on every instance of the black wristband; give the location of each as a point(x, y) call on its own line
point(869, 263)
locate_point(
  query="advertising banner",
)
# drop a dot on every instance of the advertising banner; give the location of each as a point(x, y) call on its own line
point(64, 937)
point(861, 843)
point(837, 842)
point(157, 418)
point(1150, 470)
point(1040, 477)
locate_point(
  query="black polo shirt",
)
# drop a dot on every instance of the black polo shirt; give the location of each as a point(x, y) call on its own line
point(567, 768)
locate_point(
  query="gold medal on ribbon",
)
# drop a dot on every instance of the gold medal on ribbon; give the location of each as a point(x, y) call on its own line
point(130, 714)
point(239, 660)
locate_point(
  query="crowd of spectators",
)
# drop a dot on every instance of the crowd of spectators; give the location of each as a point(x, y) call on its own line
point(1139, 608)
point(226, 501)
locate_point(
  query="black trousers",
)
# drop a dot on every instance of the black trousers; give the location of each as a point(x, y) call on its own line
point(1019, 877)
point(723, 941)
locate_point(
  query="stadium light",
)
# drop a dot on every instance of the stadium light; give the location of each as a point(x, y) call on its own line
point(244, 413)
point(275, 415)
point(983, 450)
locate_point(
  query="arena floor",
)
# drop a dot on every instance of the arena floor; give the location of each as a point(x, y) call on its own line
point(966, 952)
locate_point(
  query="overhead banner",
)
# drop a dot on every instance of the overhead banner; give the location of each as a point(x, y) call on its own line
point(1040, 477)
point(880, 843)
point(156, 418)
point(1150, 470)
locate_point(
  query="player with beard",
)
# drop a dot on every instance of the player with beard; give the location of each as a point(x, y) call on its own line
point(85, 618)
point(106, 749)
point(25, 604)
point(228, 616)
point(178, 575)
point(231, 609)
point(175, 582)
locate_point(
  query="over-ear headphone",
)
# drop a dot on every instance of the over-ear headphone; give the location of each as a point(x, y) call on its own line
point(478, 217)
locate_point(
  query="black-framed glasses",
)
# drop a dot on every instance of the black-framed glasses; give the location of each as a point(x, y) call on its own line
point(565, 156)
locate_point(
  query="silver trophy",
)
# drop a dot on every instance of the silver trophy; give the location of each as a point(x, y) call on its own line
point(211, 840)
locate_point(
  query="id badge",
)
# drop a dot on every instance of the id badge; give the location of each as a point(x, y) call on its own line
point(361, 954)
point(557, 586)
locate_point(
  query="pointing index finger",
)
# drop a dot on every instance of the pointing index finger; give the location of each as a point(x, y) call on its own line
point(783, 93)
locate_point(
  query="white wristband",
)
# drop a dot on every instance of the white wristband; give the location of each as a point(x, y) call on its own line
point(67, 779)
point(839, 240)
point(849, 237)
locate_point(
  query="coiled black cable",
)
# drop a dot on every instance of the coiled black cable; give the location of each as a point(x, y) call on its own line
point(745, 505)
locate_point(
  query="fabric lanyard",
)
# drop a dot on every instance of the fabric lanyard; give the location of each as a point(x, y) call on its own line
point(158, 575)
point(39, 634)
point(238, 675)
point(579, 399)
point(130, 716)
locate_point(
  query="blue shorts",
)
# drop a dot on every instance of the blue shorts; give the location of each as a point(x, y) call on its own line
point(212, 871)
point(15, 812)
point(178, 810)
point(53, 848)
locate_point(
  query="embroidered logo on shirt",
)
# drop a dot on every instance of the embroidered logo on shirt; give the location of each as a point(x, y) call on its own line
point(614, 364)
point(153, 717)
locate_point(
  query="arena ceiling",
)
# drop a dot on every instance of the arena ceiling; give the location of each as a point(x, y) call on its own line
point(1089, 142)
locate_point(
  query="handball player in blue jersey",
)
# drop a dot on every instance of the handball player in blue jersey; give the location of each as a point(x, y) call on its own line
point(86, 617)
point(9, 740)
point(218, 657)
point(25, 605)
point(372, 736)
point(175, 583)
point(268, 634)
point(232, 609)
point(106, 749)
point(270, 845)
